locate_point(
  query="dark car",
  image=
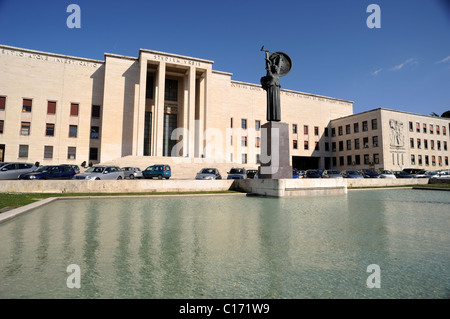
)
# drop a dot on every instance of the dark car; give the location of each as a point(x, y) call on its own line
point(368, 173)
point(295, 173)
point(312, 173)
point(351, 174)
point(402, 174)
point(160, 171)
point(237, 173)
point(50, 172)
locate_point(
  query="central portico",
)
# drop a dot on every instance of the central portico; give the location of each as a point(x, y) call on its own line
point(161, 93)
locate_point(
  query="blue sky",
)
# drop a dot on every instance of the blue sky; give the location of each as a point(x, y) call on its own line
point(403, 65)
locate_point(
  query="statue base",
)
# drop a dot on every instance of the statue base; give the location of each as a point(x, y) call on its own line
point(275, 154)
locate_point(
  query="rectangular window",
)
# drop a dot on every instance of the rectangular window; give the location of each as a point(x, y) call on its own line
point(334, 161)
point(413, 160)
point(376, 158)
point(375, 141)
point(93, 153)
point(419, 159)
point(327, 146)
point(438, 130)
point(365, 127)
point(74, 109)
point(355, 128)
point(316, 146)
point(1, 126)
point(365, 142)
point(244, 140)
point(71, 152)
point(432, 144)
point(257, 141)
point(357, 159)
point(446, 161)
point(257, 125)
point(444, 131)
point(349, 160)
point(294, 128)
point(231, 122)
point(366, 159)
point(244, 158)
point(411, 142)
point(244, 124)
point(305, 129)
point(349, 145)
point(149, 86)
point(26, 105)
point(341, 145)
point(305, 145)
point(431, 129)
point(51, 107)
point(419, 145)
point(2, 102)
point(50, 129)
point(23, 151)
point(340, 132)
point(231, 139)
point(445, 145)
point(326, 131)
point(95, 112)
point(347, 129)
point(171, 90)
point(316, 130)
point(410, 127)
point(341, 160)
point(95, 132)
point(438, 145)
point(333, 132)
point(25, 128)
point(433, 160)
point(48, 151)
point(374, 124)
point(73, 130)
point(294, 144)
point(333, 146)
point(425, 144)
point(424, 128)
point(417, 127)
point(427, 160)
point(356, 143)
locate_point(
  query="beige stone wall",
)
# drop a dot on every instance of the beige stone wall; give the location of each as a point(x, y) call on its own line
point(45, 77)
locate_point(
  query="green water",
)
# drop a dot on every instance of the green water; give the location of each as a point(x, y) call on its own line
point(232, 247)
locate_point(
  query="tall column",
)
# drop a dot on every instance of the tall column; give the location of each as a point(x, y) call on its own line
point(158, 127)
point(191, 112)
point(139, 115)
point(201, 114)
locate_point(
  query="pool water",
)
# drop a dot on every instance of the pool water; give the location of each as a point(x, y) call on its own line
point(232, 247)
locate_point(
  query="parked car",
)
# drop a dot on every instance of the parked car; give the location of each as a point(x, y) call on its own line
point(386, 174)
point(351, 174)
point(50, 172)
point(14, 170)
point(402, 174)
point(295, 174)
point(368, 173)
point(312, 173)
point(101, 173)
point(424, 174)
point(160, 171)
point(132, 172)
point(208, 173)
point(237, 173)
point(252, 173)
point(444, 174)
point(332, 174)
point(412, 171)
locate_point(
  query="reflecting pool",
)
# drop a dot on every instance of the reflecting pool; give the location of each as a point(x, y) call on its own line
point(232, 247)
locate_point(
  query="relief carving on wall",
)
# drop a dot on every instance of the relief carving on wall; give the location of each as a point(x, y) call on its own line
point(396, 133)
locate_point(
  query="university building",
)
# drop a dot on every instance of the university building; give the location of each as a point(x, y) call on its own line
point(162, 106)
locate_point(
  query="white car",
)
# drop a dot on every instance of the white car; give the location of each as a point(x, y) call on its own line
point(445, 174)
point(101, 173)
point(387, 174)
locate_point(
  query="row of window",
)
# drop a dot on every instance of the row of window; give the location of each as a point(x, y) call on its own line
point(48, 152)
point(418, 143)
point(365, 128)
point(356, 160)
point(430, 128)
point(420, 162)
point(27, 106)
point(25, 129)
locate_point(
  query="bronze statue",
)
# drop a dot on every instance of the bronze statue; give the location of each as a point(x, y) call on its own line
point(277, 64)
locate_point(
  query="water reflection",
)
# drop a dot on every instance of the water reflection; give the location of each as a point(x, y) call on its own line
point(231, 247)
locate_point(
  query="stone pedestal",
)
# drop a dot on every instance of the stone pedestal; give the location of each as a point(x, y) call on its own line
point(275, 155)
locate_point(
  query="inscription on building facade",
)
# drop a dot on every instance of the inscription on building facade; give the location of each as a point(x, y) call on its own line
point(49, 58)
